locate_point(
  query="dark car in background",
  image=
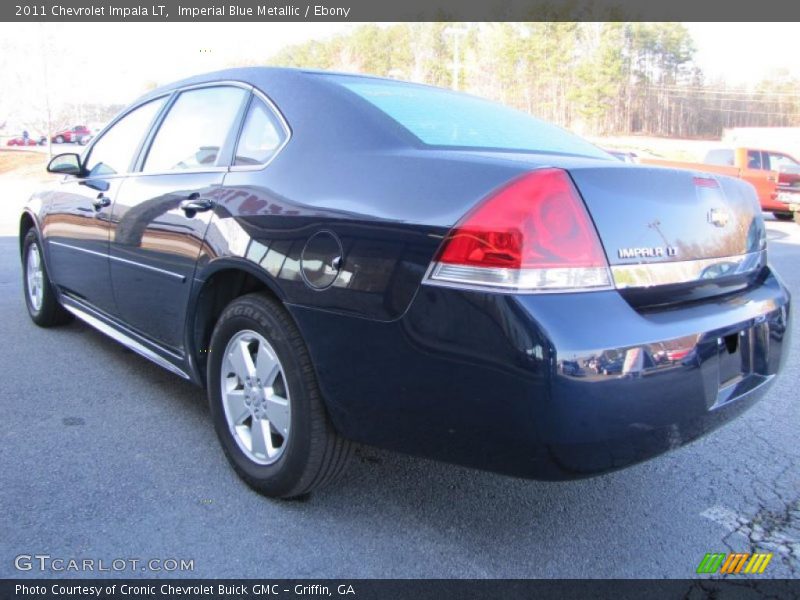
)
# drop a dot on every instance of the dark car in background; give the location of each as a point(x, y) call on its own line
point(624, 155)
point(341, 259)
point(80, 134)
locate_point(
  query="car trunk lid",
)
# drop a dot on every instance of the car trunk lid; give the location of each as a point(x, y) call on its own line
point(675, 234)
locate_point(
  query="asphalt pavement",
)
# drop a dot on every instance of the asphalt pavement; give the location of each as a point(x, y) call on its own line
point(105, 456)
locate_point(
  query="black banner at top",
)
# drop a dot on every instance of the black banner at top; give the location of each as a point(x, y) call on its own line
point(398, 10)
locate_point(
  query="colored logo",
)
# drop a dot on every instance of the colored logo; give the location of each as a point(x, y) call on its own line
point(734, 563)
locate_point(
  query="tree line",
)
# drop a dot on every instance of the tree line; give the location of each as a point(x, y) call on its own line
point(595, 78)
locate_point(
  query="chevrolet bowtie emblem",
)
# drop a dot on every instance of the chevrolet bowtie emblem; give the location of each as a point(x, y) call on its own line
point(718, 217)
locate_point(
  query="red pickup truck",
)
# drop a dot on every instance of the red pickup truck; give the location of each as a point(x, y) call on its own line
point(775, 175)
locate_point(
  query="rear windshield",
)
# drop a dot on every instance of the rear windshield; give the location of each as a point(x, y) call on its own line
point(439, 117)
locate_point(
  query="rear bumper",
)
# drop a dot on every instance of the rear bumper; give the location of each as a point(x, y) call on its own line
point(553, 386)
point(645, 398)
point(782, 201)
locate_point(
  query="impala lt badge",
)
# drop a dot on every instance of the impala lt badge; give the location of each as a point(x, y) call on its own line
point(718, 217)
point(648, 252)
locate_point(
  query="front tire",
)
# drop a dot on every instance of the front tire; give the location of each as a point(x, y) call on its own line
point(40, 297)
point(783, 216)
point(59, 139)
point(266, 403)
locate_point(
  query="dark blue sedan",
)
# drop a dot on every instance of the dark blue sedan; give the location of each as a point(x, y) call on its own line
point(342, 259)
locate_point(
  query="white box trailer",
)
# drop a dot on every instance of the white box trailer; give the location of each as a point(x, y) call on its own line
point(781, 139)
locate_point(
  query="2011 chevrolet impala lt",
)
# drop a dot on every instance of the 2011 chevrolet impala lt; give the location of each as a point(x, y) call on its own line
point(344, 259)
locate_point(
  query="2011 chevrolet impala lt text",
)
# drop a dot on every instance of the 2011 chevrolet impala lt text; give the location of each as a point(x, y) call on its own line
point(341, 259)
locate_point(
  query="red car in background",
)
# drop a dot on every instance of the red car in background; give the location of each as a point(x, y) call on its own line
point(79, 134)
point(22, 141)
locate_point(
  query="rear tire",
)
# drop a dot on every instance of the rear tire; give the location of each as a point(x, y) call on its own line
point(266, 404)
point(59, 139)
point(783, 216)
point(40, 296)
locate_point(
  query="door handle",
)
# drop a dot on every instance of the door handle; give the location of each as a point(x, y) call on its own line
point(101, 201)
point(194, 204)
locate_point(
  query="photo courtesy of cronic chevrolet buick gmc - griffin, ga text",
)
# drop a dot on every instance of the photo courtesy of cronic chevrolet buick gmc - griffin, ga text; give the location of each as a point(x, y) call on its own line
point(343, 259)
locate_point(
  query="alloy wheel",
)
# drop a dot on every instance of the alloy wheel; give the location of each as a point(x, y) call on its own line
point(35, 277)
point(255, 397)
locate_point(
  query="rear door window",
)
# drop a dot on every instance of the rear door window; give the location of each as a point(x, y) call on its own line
point(195, 130)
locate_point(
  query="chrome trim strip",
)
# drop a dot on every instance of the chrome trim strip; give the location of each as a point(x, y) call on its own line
point(685, 271)
point(217, 83)
point(147, 267)
point(71, 247)
point(621, 276)
point(135, 174)
point(195, 171)
point(433, 277)
point(122, 338)
point(120, 259)
point(74, 179)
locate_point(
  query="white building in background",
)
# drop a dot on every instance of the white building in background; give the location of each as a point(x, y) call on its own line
point(783, 139)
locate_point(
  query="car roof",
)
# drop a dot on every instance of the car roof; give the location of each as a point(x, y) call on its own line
point(254, 76)
point(319, 111)
point(327, 112)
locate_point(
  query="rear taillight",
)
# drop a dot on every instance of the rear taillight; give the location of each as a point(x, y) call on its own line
point(788, 179)
point(532, 235)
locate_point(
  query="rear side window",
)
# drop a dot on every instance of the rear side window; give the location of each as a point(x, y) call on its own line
point(262, 136)
point(441, 118)
point(720, 157)
point(114, 152)
point(754, 159)
point(195, 129)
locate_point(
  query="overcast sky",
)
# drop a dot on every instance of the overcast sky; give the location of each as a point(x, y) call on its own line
point(113, 62)
point(746, 52)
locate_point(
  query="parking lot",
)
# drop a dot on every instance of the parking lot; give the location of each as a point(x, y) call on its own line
point(105, 455)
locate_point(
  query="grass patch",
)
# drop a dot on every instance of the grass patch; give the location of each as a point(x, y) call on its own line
point(20, 163)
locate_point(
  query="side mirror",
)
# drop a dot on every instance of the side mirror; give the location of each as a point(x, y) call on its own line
point(65, 164)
